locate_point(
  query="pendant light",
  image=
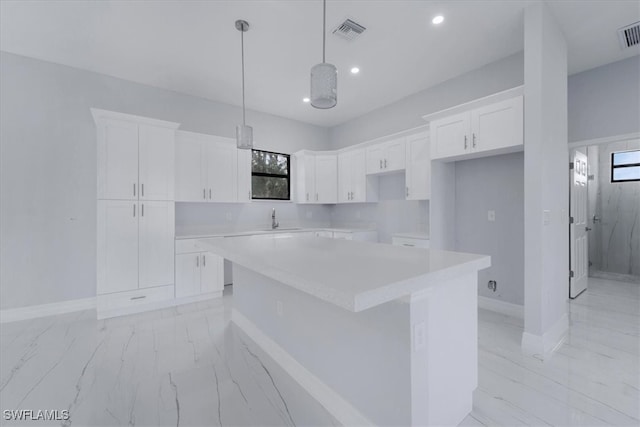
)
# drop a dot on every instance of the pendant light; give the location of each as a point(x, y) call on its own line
point(324, 76)
point(244, 133)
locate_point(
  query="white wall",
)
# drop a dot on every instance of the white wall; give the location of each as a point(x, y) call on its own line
point(546, 202)
point(48, 168)
point(605, 101)
point(493, 183)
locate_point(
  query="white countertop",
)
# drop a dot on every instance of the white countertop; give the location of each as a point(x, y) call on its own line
point(200, 233)
point(350, 274)
point(423, 235)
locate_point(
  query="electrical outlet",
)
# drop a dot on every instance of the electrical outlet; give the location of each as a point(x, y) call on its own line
point(491, 216)
point(279, 308)
point(493, 285)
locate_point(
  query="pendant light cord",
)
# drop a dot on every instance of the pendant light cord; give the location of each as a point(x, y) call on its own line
point(242, 49)
point(324, 27)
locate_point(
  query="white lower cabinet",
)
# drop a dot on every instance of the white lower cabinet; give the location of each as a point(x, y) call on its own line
point(198, 273)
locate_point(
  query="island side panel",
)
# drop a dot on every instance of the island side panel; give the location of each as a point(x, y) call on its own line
point(365, 357)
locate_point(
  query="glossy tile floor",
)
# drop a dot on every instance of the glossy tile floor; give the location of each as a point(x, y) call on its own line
point(190, 366)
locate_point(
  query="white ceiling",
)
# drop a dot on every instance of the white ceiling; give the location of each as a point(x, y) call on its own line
point(193, 47)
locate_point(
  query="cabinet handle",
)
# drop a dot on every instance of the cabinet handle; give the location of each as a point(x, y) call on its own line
point(134, 189)
point(197, 261)
point(385, 163)
point(465, 142)
point(140, 297)
point(474, 140)
point(143, 209)
point(307, 197)
point(407, 244)
point(380, 163)
point(209, 194)
point(142, 190)
point(204, 261)
point(407, 191)
point(204, 193)
point(134, 210)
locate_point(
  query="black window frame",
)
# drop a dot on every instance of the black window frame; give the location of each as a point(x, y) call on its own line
point(272, 175)
point(614, 167)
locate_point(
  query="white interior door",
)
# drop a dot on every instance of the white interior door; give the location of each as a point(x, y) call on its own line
point(117, 246)
point(157, 162)
point(157, 239)
point(578, 228)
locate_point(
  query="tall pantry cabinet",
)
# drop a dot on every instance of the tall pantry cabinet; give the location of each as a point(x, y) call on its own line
point(135, 212)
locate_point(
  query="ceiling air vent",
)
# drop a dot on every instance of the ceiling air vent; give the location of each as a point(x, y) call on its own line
point(349, 30)
point(630, 35)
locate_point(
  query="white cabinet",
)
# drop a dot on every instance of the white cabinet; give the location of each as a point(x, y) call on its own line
point(206, 168)
point(244, 175)
point(198, 272)
point(418, 172)
point(485, 130)
point(353, 184)
point(386, 157)
point(135, 161)
point(316, 177)
point(135, 245)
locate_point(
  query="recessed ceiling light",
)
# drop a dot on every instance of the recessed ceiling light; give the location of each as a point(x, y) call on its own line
point(355, 70)
point(305, 100)
point(438, 19)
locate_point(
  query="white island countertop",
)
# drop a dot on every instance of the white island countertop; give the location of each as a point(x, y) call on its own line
point(204, 232)
point(353, 275)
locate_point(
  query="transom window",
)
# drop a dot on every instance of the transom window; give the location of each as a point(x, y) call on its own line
point(625, 166)
point(270, 176)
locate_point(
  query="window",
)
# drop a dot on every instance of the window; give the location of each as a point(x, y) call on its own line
point(270, 173)
point(625, 166)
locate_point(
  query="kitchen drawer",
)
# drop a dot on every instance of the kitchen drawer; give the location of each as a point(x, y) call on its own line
point(187, 246)
point(407, 241)
point(138, 297)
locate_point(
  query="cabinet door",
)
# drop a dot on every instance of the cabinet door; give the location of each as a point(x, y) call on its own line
point(394, 155)
point(222, 178)
point(117, 160)
point(244, 175)
point(359, 176)
point(497, 125)
point(345, 177)
point(375, 158)
point(326, 178)
point(117, 261)
point(188, 275)
point(450, 136)
point(156, 162)
point(211, 273)
point(188, 169)
point(308, 179)
point(157, 239)
point(418, 174)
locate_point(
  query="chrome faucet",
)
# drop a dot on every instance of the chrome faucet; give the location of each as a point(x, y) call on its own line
point(274, 224)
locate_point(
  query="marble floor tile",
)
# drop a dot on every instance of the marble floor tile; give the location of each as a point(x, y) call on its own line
point(189, 366)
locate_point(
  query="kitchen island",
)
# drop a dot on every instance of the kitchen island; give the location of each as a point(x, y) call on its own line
point(378, 334)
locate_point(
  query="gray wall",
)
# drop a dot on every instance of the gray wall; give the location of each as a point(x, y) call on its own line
point(48, 168)
point(493, 183)
point(605, 101)
point(407, 113)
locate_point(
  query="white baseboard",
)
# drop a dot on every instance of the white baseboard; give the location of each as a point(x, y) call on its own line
point(43, 310)
point(501, 307)
point(337, 406)
point(544, 345)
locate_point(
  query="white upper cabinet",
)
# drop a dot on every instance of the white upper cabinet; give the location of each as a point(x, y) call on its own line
point(386, 157)
point(207, 168)
point(316, 177)
point(156, 163)
point(135, 157)
point(490, 129)
point(244, 175)
point(353, 184)
point(418, 173)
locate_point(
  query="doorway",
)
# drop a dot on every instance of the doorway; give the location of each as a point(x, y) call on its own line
point(612, 206)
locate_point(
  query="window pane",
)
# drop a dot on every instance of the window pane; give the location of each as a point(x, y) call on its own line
point(626, 157)
point(626, 174)
point(265, 187)
point(265, 162)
